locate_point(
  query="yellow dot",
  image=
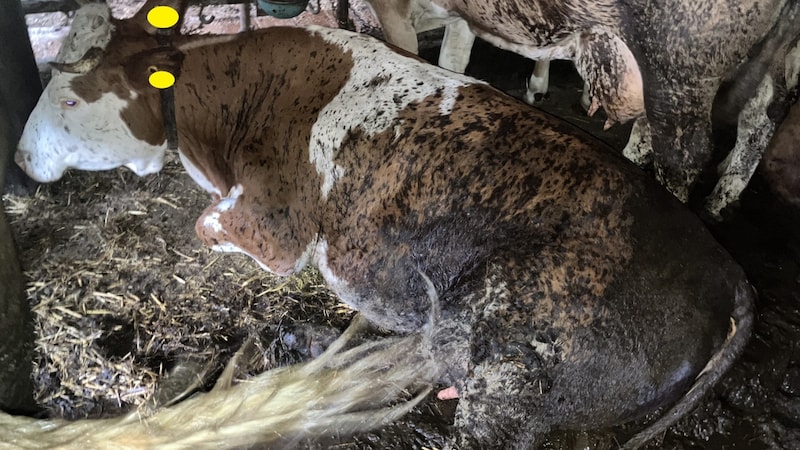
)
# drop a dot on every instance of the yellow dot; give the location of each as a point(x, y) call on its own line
point(163, 17)
point(161, 79)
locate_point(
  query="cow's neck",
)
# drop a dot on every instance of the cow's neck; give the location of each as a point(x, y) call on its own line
point(245, 111)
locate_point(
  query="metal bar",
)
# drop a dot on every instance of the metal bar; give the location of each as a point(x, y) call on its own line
point(343, 15)
point(43, 6)
point(19, 92)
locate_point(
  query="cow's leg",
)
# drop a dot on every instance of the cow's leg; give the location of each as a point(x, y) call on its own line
point(679, 114)
point(755, 129)
point(639, 149)
point(586, 98)
point(398, 27)
point(681, 149)
point(494, 408)
point(456, 46)
point(538, 82)
point(503, 386)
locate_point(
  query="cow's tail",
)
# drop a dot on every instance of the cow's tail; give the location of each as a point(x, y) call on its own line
point(717, 366)
point(340, 392)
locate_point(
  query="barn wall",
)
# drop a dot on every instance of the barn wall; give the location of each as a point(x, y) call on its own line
point(19, 91)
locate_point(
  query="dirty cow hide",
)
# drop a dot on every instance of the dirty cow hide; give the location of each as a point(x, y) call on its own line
point(571, 291)
point(671, 56)
point(781, 165)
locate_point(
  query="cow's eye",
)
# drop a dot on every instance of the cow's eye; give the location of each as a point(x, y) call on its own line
point(68, 103)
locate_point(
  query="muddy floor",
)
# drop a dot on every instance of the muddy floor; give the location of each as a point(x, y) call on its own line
point(123, 293)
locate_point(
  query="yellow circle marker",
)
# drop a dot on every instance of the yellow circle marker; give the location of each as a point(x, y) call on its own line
point(161, 79)
point(163, 17)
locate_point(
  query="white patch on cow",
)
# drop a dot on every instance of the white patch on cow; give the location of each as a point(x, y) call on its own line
point(229, 201)
point(91, 27)
point(307, 255)
point(227, 247)
point(63, 131)
point(545, 350)
point(563, 49)
point(495, 296)
point(427, 16)
point(449, 97)
point(586, 96)
point(372, 107)
point(211, 221)
point(337, 285)
point(755, 129)
point(198, 176)
point(792, 66)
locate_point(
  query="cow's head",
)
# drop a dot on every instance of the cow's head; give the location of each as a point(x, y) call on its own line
point(98, 111)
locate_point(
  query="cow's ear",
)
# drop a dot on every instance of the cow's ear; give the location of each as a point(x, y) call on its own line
point(141, 16)
point(139, 67)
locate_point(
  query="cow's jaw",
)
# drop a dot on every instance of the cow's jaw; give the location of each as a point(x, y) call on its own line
point(86, 136)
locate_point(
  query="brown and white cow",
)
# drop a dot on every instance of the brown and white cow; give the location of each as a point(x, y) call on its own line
point(573, 291)
point(669, 56)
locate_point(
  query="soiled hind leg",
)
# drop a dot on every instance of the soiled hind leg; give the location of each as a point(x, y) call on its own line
point(502, 393)
point(494, 409)
point(754, 132)
point(639, 149)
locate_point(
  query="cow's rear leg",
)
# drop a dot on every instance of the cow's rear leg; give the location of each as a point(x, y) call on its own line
point(398, 27)
point(680, 129)
point(502, 396)
point(755, 129)
point(456, 46)
point(495, 404)
point(538, 82)
point(639, 149)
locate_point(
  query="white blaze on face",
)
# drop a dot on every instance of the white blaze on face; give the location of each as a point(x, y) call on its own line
point(226, 203)
point(369, 105)
point(64, 131)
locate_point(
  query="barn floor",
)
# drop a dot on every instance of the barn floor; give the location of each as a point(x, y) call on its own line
point(123, 292)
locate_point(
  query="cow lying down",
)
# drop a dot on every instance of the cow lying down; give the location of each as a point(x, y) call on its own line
point(548, 281)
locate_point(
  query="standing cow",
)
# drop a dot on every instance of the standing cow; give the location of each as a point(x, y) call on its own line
point(660, 63)
point(403, 20)
point(571, 292)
